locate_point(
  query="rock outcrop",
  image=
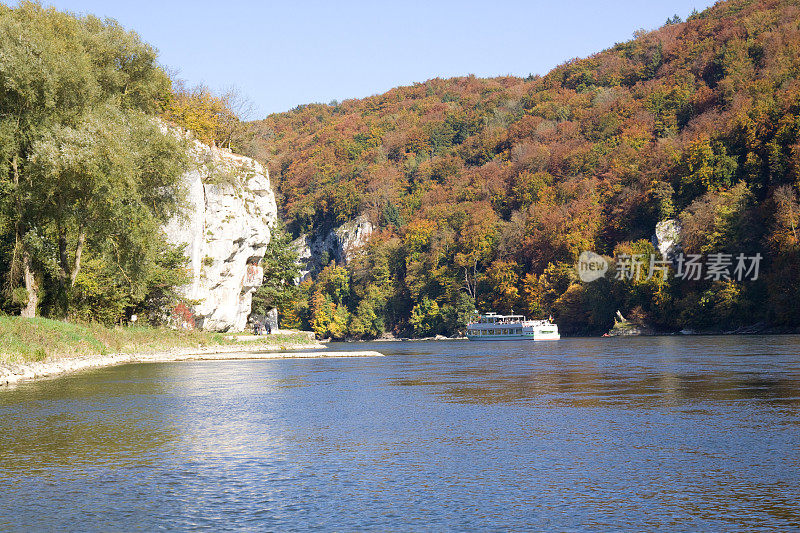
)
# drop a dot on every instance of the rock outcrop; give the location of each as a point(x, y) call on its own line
point(339, 245)
point(667, 238)
point(351, 236)
point(625, 328)
point(226, 230)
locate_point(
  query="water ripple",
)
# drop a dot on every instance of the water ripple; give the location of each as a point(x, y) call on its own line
point(578, 435)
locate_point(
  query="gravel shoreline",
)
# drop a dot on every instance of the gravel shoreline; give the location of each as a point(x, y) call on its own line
point(13, 373)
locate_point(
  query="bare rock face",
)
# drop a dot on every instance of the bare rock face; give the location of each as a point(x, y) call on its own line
point(305, 261)
point(340, 245)
point(351, 236)
point(226, 230)
point(667, 238)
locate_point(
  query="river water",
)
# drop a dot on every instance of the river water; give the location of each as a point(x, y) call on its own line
point(669, 433)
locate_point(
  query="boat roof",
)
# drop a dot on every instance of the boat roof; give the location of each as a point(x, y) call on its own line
point(495, 315)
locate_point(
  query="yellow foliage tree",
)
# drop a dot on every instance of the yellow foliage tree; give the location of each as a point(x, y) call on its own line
point(206, 115)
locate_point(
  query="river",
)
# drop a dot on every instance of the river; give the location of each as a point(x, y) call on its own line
point(658, 433)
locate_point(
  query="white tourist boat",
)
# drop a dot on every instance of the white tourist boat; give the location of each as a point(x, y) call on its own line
point(494, 327)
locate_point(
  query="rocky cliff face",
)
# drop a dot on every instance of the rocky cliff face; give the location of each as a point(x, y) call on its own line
point(339, 245)
point(226, 230)
point(667, 238)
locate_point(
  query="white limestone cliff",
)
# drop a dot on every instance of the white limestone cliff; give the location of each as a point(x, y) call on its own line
point(340, 245)
point(351, 236)
point(226, 230)
point(667, 238)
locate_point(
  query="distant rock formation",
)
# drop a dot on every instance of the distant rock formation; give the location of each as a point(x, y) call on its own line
point(226, 231)
point(339, 245)
point(625, 328)
point(667, 238)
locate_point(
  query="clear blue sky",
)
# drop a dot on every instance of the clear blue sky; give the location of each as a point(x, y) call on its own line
point(282, 54)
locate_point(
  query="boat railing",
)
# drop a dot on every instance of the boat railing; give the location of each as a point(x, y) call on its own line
point(501, 320)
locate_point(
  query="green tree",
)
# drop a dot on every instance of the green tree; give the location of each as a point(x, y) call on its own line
point(279, 287)
point(500, 287)
point(86, 165)
point(708, 168)
point(720, 221)
point(328, 304)
point(365, 323)
point(334, 281)
point(425, 317)
point(456, 315)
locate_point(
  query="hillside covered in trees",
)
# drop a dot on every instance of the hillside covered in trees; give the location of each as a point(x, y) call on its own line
point(485, 191)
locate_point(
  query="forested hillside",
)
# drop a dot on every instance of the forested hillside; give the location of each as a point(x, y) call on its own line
point(485, 191)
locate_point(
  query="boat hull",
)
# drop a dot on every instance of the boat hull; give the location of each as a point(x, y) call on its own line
point(515, 337)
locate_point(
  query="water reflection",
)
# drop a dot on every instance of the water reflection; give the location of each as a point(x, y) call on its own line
point(584, 372)
point(586, 434)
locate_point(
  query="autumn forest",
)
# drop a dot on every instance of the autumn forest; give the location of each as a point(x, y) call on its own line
point(483, 193)
point(486, 191)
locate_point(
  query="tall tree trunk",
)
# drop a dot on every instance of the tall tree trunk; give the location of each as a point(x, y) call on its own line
point(69, 272)
point(471, 285)
point(78, 253)
point(29, 311)
point(32, 288)
point(63, 260)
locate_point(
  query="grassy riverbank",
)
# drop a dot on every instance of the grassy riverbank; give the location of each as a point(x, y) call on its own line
point(38, 339)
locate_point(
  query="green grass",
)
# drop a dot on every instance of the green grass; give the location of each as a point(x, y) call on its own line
point(36, 339)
